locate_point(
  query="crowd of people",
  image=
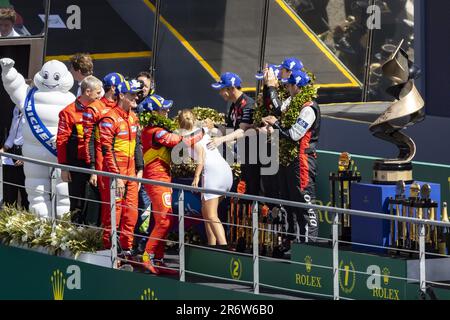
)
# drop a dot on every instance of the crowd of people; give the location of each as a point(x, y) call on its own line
point(119, 125)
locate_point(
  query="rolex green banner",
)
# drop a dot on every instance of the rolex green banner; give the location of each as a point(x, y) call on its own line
point(28, 275)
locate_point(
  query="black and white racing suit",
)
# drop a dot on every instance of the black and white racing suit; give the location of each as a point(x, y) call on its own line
point(297, 181)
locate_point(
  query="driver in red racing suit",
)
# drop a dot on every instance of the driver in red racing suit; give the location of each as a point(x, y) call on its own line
point(157, 143)
point(118, 132)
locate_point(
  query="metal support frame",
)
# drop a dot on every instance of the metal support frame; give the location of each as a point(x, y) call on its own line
point(335, 231)
point(255, 242)
point(47, 14)
point(422, 252)
point(53, 195)
point(112, 206)
point(181, 235)
point(155, 42)
point(368, 58)
point(262, 47)
point(255, 199)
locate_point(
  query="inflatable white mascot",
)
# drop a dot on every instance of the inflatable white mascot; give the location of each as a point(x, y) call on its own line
point(41, 106)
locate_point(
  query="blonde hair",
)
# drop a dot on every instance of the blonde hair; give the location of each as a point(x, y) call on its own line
point(186, 119)
point(90, 82)
point(8, 14)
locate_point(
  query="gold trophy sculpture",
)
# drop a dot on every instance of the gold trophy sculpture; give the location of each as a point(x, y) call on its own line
point(407, 110)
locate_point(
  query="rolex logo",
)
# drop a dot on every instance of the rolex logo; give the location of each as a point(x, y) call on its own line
point(58, 284)
point(308, 263)
point(70, 280)
point(386, 274)
point(148, 295)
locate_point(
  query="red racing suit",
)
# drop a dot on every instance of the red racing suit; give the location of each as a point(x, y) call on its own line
point(157, 144)
point(91, 116)
point(70, 150)
point(69, 141)
point(118, 133)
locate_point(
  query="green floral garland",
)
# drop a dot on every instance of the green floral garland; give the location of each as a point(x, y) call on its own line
point(202, 113)
point(288, 148)
point(148, 118)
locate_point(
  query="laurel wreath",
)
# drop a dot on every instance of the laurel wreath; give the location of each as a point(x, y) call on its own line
point(203, 113)
point(289, 149)
point(148, 118)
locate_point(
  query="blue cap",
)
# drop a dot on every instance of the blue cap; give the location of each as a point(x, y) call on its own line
point(131, 86)
point(276, 68)
point(227, 80)
point(292, 64)
point(299, 78)
point(156, 103)
point(113, 79)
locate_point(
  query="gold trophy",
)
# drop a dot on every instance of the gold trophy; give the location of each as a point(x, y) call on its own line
point(231, 219)
point(343, 166)
point(443, 234)
point(407, 110)
point(425, 192)
point(399, 199)
point(248, 229)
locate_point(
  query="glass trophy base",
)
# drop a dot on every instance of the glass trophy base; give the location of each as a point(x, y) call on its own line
point(390, 173)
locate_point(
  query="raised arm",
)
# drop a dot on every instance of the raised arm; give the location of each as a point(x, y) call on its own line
point(13, 82)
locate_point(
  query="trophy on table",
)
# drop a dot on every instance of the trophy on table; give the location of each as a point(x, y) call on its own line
point(407, 110)
point(347, 173)
point(398, 201)
point(443, 232)
point(415, 211)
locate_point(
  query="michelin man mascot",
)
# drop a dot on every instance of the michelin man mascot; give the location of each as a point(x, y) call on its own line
point(41, 105)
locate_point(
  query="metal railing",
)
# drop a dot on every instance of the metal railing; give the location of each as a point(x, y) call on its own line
point(255, 229)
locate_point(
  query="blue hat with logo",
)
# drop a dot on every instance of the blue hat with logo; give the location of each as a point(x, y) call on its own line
point(299, 78)
point(113, 79)
point(128, 86)
point(292, 64)
point(156, 103)
point(227, 80)
point(276, 68)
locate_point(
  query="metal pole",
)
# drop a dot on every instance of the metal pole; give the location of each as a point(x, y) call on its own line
point(53, 212)
point(262, 47)
point(422, 277)
point(335, 231)
point(181, 234)
point(255, 242)
point(47, 14)
point(112, 206)
point(155, 42)
point(366, 84)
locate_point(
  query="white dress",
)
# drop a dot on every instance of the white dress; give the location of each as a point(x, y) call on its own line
point(217, 174)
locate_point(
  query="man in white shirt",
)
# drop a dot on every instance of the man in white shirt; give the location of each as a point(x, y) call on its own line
point(13, 174)
point(7, 21)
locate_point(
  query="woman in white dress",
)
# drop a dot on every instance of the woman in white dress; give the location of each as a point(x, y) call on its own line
point(216, 175)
